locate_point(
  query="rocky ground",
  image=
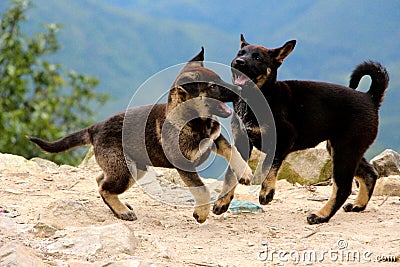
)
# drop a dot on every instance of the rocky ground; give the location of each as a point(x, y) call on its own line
point(53, 216)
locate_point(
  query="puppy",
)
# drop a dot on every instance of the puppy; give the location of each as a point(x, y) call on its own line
point(306, 113)
point(179, 134)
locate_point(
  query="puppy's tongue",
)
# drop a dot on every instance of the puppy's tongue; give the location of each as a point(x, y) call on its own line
point(224, 108)
point(241, 79)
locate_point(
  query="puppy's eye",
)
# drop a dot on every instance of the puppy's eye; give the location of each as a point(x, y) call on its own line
point(212, 86)
point(241, 53)
point(256, 57)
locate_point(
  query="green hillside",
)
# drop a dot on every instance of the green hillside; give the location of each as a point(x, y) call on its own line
point(124, 42)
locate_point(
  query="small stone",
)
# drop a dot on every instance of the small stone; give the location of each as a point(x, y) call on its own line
point(387, 163)
point(11, 191)
point(43, 230)
point(388, 186)
point(16, 254)
point(318, 198)
point(91, 240)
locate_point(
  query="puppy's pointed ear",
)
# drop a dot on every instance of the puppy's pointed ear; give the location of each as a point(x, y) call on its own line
point(243, 42)
point(197, 61)
point(279, 54)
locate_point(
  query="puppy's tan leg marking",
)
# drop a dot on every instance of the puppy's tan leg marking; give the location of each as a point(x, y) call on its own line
point(239, 167)
point(362, 199)
point(113, 189)
point(120, 210)
point(366, 176)
point(327, 208)
point(268, 186)
point(202, 207)
point(238, 170)
point(221, 205)
point(200, 193)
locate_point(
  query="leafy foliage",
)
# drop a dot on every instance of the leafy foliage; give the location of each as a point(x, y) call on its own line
point(38, 97)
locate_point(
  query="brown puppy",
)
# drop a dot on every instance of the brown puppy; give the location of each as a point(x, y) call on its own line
point(306, 113)
point(179, 134)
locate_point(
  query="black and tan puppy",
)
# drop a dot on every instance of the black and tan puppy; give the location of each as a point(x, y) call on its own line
point(306, 113)
point(179, 134)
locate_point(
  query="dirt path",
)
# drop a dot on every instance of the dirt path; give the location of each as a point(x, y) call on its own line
point(168, 235)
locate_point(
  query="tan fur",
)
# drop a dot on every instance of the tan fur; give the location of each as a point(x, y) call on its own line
point(327, 208)
point(186, 128)
point(362, 197)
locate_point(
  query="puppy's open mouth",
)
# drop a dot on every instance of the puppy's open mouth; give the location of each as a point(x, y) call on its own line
point(223, 110)
point(240, 78)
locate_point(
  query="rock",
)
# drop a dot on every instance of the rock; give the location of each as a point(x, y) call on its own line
point(387, 163)
point(43, 230)
point(11, 226)
point(87, 242)
point(89, 160)
point(17, 164)
point(171, 175)
point(388, 186)
point(45, 164)
point(16, 254)
point(283, 184)
point(308, 166)
point(68, 212)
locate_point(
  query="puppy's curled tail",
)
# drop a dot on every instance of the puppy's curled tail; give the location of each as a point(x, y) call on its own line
point(379, 77)
point(67, 142)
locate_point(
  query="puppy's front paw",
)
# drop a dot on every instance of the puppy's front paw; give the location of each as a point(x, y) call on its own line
point(221, 205)
point(201, 213)
point(353, 208)
point(247, 177)
point(266, 196)
point(316, 219)
point(127, 216)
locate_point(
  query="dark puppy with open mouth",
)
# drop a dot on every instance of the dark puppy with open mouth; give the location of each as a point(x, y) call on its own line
point(305, 114)
point(179, 134)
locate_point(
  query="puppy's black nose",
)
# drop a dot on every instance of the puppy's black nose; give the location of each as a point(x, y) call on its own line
point(239, 61)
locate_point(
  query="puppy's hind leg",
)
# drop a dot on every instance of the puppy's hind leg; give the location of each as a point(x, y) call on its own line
point(200, 193)
point(345, 162)
point(366, 177)
point(115, 183)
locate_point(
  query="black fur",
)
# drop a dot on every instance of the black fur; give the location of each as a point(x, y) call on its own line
point(307, 113)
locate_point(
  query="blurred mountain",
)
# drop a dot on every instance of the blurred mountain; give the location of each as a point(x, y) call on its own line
point(124, 42)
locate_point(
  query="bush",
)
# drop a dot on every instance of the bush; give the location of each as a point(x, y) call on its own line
point(38, 97)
